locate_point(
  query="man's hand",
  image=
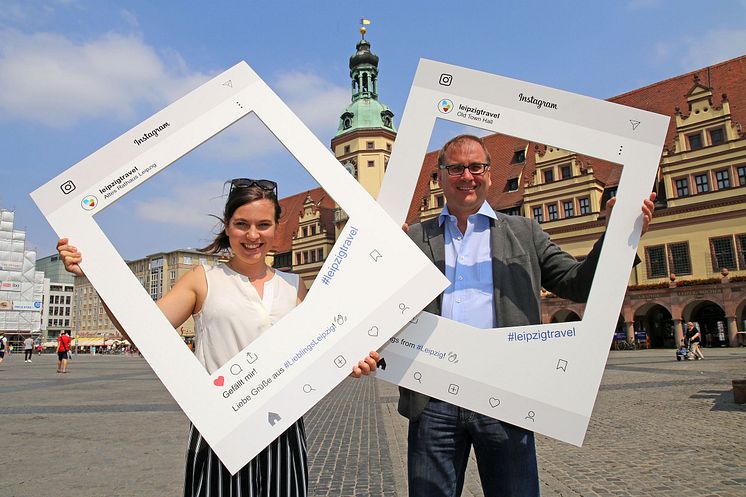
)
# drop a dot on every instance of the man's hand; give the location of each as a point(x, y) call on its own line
point(366, 366)
point(70, 257)
point(648, 207)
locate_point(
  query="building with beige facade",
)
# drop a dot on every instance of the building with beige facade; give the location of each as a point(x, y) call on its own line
point(694, 256)
point(157, 273)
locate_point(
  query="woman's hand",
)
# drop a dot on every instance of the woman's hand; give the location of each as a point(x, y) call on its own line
point(366, 366)
point(70, 257)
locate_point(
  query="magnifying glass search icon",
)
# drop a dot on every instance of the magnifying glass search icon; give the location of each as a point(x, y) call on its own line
point(308, 388)
point(418, 376)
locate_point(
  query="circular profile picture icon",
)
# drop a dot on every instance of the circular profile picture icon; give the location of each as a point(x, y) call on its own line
point(445, 106)
point(89, 202)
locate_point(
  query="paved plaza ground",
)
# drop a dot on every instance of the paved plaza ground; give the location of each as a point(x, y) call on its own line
point(109, 428)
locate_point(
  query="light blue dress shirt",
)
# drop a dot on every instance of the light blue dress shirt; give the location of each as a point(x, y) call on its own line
point(469, 298)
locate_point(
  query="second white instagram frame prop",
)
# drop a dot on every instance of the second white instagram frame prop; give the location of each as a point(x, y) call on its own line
point(374, 279)
point(542, 377)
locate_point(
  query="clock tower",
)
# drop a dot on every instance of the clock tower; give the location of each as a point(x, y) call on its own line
point(366, 131)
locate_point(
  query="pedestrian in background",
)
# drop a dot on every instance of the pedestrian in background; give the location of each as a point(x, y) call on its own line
point(28, 349)
point(63, 350)
point(694, 338)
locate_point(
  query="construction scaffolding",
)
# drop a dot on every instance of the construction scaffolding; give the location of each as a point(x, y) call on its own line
point(21, 285)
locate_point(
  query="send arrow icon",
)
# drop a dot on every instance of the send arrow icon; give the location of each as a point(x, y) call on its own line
point(273, 418)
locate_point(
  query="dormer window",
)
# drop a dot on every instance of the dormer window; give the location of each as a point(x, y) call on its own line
point(519, 156)
point(512, 184)
point(347, 120)
point(717, 136)
point(695, 141)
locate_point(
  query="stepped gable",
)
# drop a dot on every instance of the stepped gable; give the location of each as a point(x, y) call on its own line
point(289, 219)
point(663, 97)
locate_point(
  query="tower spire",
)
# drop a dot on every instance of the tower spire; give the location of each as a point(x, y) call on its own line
point(365, 111)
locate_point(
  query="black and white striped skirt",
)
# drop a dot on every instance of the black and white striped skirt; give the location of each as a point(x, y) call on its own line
point(280, 470)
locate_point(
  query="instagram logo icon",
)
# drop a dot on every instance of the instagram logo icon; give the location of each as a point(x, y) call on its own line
point(67, 187)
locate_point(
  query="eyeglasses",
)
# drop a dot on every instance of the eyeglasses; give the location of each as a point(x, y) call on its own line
point(265, 184)
point(477, 168)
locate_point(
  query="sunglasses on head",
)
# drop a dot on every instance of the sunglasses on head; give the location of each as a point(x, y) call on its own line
point(265, 184)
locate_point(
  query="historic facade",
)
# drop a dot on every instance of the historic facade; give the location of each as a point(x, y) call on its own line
point(694, 256)
point(157, 273)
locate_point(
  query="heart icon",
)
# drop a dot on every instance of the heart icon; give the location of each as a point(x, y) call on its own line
point(373, 331)
point(220, 380)
point(494, 402)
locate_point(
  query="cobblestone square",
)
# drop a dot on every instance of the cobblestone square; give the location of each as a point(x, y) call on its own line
point(109, 428)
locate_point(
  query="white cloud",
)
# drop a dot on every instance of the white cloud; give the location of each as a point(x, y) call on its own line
point(185, 205)
point(129, 18)
point(48, 78)
point(316, 101)
point(694, 52)
point(714, 46)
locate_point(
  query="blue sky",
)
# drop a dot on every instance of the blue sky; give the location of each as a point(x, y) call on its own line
point(76, 74)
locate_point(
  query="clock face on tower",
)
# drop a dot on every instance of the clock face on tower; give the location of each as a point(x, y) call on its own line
point(351, 168)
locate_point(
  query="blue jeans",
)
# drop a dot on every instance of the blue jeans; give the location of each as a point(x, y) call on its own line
point(439, 445)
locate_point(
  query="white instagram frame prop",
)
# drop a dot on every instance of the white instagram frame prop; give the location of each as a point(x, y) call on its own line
point(546, 386)
point(245, 404)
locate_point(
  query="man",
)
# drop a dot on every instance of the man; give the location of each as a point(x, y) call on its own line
point(497, 265)
point(693, 338)
point(63, 348)
point(28, 349)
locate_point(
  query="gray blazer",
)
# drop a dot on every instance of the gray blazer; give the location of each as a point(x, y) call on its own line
point(523, 261)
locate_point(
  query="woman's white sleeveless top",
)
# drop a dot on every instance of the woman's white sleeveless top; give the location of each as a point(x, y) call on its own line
point(233, 315)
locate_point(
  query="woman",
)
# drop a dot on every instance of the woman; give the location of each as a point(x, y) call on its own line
point(220, 298)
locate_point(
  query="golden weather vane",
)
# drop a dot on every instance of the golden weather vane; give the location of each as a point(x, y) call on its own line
point(363, 22)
